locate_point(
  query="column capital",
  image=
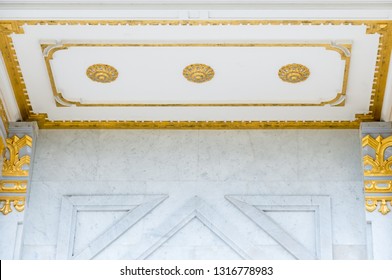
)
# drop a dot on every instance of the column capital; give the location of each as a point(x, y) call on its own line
point(377, 165)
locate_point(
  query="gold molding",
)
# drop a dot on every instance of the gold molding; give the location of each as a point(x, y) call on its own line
point(13, 166)
point(13, 186)
point(49, 50)
point(17, 201)
point(379, 166)
point(48, 124)
point(378, 186)
point(381, 27)
point(372, 202)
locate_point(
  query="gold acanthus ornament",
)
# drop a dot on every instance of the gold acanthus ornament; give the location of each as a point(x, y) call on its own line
point(102, 73)
point(13, 164)
point(17, 201)
point(294, 73)
point(371, 203)
point(198, 73)
point(380, 165)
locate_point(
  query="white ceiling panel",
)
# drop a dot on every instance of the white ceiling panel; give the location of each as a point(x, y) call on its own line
point(344, 59)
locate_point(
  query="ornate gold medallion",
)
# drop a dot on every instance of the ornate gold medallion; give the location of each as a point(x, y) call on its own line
point(102, 73)
point(198, 73)
point(294, 73)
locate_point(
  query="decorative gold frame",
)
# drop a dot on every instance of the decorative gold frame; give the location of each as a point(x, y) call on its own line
point(339, 100)
point(381, 27)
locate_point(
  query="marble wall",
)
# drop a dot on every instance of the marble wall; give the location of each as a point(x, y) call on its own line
point(189, 194)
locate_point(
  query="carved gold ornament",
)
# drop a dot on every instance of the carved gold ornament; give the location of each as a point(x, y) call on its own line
point(371, 203)
point(13, 164)
point(379, 165)
point(17, 201)
point(13, 186)
point(378, 186)
point(198, 73)
point(294, 73)
point(102, 73)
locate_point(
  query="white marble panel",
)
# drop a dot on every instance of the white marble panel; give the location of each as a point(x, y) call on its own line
point(293, 221)
point(92, 223)
point(185, 245)
point(184, 164)
point(42, 214)
point(148, 155)
point(248, 155)
point(69, 155)
point(381, 227)
point(329, 155)
point(349, 252)
point(39, 252)
point(136, 206)
point(10, 241)
point(258, 208)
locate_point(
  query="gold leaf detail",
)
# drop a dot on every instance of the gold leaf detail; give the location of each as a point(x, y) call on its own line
point(198, 73)
point(17, 201)
point(13, 166)
point(378, 186)
point(13, 186)
point(294, 73)
point(102, 73)
point(371, 203)
point(378, 166)
point(384, 207)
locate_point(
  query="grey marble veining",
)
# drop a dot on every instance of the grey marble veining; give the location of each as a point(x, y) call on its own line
point(183, 164)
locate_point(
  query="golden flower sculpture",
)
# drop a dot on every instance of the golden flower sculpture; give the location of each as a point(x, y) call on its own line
point(198, 73)
point(102, 73)
point(294, 73)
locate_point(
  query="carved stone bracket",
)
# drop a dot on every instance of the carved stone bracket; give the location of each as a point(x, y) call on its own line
point(377, 166)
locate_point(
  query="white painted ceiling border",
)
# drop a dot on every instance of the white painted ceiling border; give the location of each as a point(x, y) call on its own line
point(7, 94)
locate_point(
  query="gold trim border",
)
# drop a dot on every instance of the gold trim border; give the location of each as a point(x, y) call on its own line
point(13, 186)
point(47, 124)
point(339, 100)
point(381, 27)
point(374, 186)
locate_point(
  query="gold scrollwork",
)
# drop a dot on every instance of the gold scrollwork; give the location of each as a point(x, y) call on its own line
point(372, 202)
point(378, 166)
point(13, 165)
point(17, 201)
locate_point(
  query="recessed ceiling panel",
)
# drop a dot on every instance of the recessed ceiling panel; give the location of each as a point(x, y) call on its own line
point(209, 73)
